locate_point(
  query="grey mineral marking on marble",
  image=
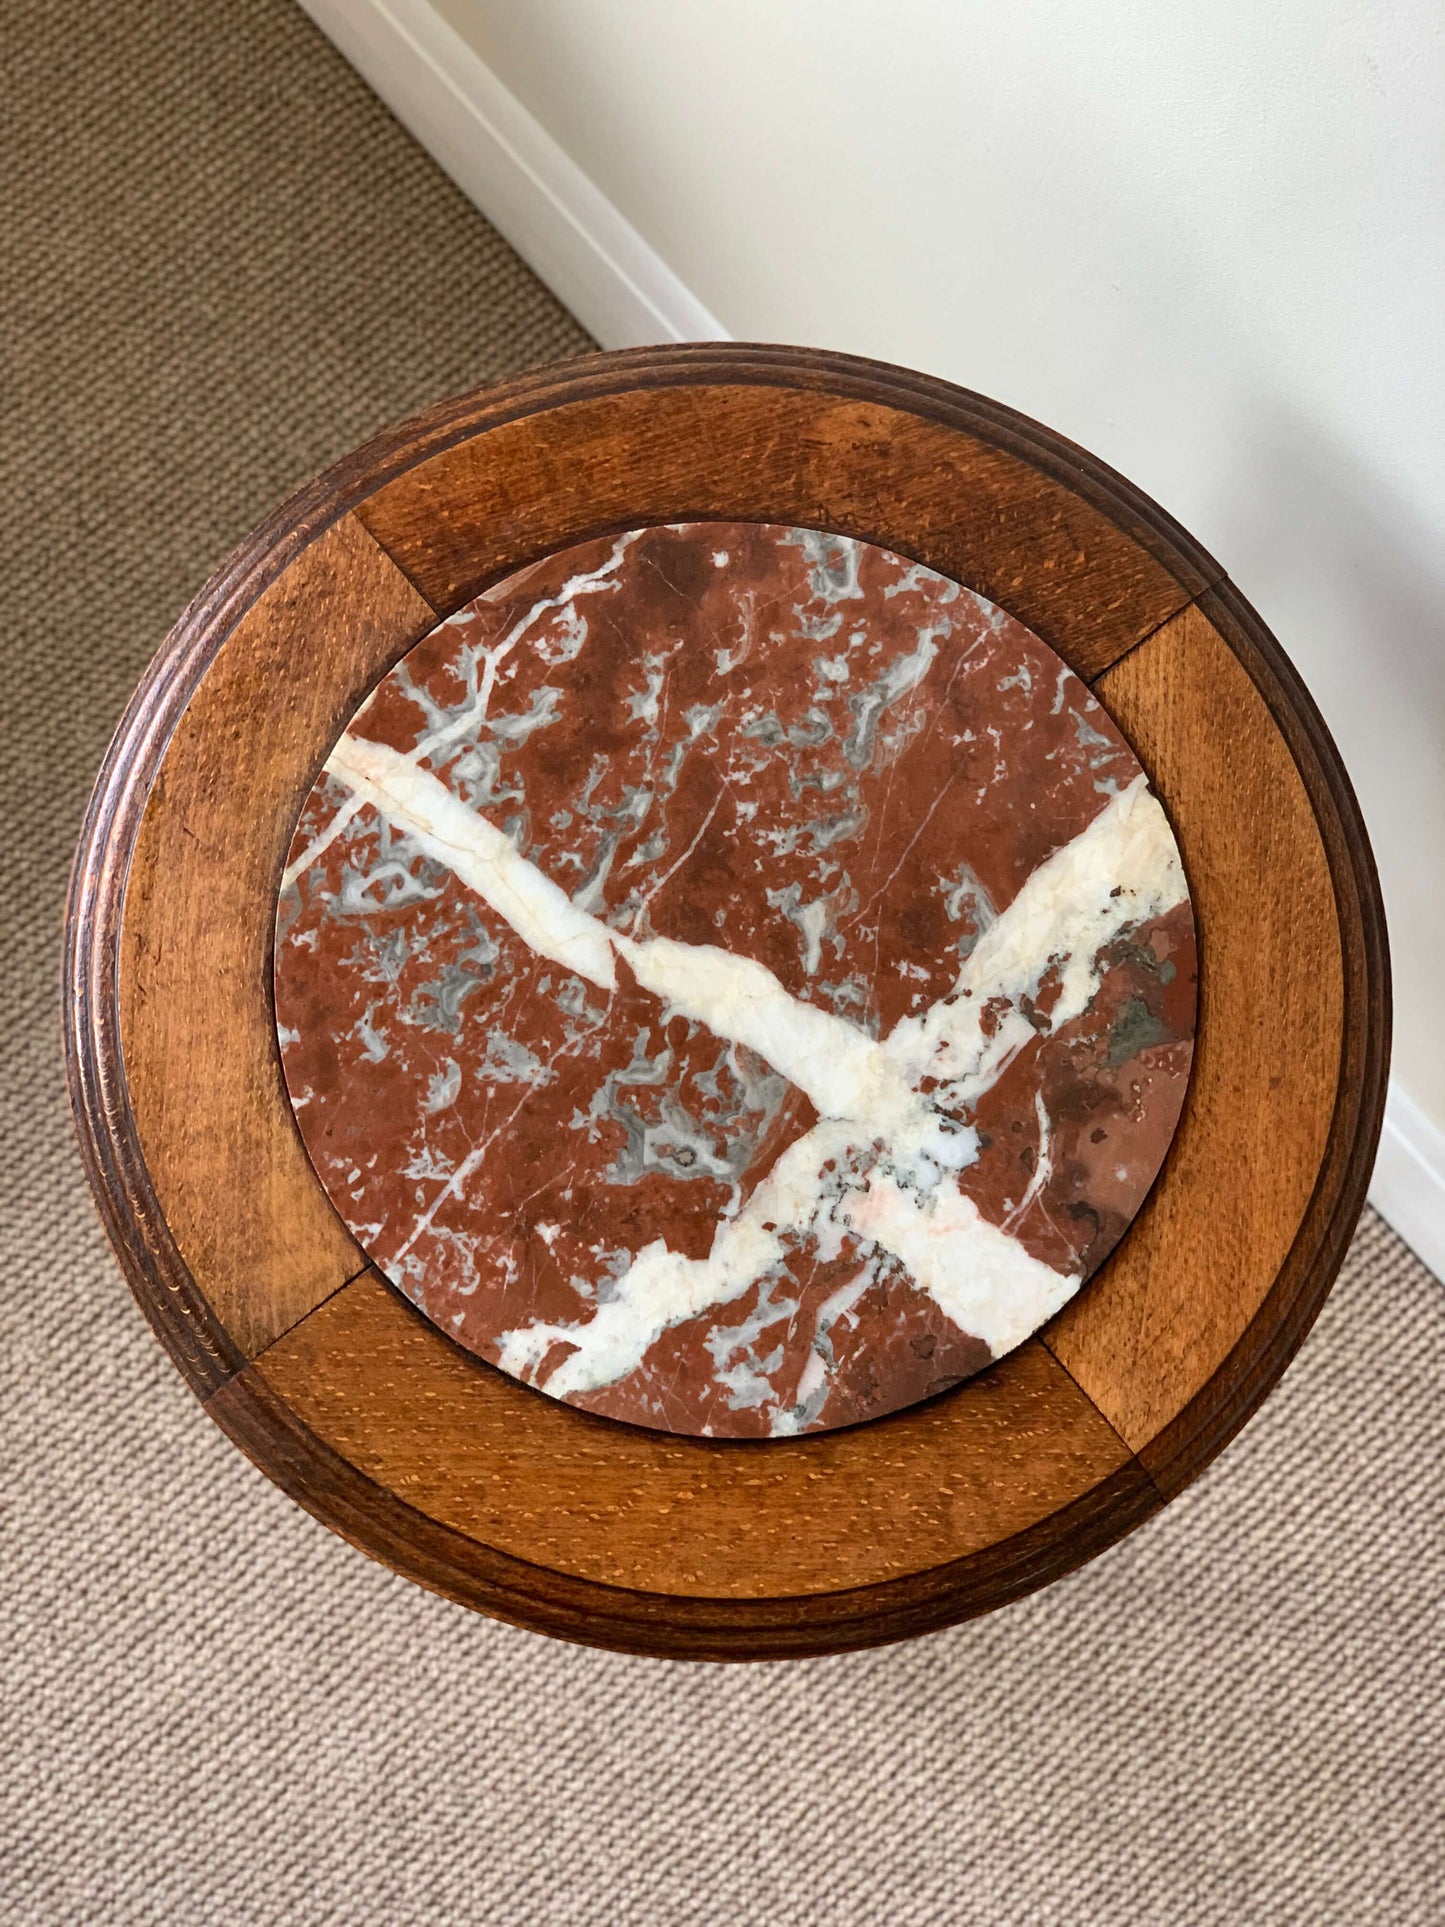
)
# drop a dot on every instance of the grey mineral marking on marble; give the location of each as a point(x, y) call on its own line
point(454, 1183)
point(744, 1376)
point(1136, 1029)
point(900, 678)
point(508, 1062)
point(940, 588)
point(717, 1143)
point(813, 1383)
point(443, 1089)
point(438, 1005)
point(321, 843)
point(445, 725)
point(398, 875)
point(816, 919)
point(374, 1047)
point(834, 562)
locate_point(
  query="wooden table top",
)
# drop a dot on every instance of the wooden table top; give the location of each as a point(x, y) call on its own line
point(559, 1518)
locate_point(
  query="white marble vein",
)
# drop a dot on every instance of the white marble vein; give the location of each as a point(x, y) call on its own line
point(1121, 870)
point(446, 830)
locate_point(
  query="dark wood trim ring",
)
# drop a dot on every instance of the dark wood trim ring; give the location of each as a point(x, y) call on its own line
point(1119, 1403)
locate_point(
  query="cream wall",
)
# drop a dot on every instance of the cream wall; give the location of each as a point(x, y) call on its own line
point(1205, 242)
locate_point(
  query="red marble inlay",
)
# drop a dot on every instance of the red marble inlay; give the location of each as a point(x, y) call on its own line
point(735, 979)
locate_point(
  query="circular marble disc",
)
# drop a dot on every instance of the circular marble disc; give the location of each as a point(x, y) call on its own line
point(735, 979)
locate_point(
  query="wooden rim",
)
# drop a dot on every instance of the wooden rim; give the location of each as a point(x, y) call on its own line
point(369, 1513)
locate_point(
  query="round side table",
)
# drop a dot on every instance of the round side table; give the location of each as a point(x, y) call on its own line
point(546, 1515)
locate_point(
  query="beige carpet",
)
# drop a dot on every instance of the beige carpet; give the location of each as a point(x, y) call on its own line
point(225, 265)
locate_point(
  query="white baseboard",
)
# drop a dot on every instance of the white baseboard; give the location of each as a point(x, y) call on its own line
point(625, 295)
point(1408, 1187)
point(504, 160)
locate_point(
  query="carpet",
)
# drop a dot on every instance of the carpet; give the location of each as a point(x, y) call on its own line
point(224, 265)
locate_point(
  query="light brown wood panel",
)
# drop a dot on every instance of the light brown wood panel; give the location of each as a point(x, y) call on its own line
point(197, 1027)
point(1161, 1319)
point(773, 453)
point(585, 1496)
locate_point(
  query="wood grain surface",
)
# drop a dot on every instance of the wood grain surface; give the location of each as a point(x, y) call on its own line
point(384, 1522)
point(197, 1031)
point(1161, 1319)
point(661, 1513)
point(776, 454)
point(482, 1488)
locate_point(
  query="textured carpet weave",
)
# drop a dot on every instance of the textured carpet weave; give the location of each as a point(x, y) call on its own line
point(224, 264)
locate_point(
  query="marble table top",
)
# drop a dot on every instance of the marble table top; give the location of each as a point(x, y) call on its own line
point(735, 979)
